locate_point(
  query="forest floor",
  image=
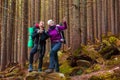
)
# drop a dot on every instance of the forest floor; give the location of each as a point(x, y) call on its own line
point(91, 62)
point(23, 74)
point(87, 76)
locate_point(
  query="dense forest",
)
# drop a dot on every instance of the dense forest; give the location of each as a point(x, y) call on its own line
point(92, 24)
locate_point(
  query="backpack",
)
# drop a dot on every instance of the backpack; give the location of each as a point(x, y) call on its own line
point(30, 40)
point(62, 35)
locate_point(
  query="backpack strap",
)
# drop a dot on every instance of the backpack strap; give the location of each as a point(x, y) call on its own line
point(57, 29)
point(61, 33)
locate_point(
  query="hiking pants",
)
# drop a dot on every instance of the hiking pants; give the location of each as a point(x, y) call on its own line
point(33, 51)
point(42, 53)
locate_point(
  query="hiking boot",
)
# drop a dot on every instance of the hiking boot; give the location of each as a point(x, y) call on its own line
point(39, 70)
point(30, 68)
point(49, 70)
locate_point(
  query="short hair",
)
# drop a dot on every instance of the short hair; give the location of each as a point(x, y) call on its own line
point(49, 21)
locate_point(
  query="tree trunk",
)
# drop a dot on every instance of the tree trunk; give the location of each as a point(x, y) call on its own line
point(1, 16)
point(32, 12)
point(10, 31)
point(119, 19)
point(116, 17)
point(99, 15)
point(3, 37)
point(16, 33)
point(83, 22)
point(57, 11)
point(112, 7)
point(105, 17)
point(24, 33)
point(19, 31)
point(76, 26)
point(95, 19)
point(68, 24)
point(39, 10)
point(90, 26)
point(109, 16)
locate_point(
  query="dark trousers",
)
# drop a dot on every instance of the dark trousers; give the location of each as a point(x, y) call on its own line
point(41, 53)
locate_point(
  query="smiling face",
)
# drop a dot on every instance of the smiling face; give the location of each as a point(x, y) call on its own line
point(41, 24)
point(51, 23)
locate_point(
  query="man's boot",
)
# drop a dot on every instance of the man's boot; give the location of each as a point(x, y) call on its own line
point(30, 68)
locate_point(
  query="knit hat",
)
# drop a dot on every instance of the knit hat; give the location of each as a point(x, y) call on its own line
point(36, 25)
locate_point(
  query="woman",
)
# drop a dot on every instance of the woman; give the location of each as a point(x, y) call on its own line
point(56, 42)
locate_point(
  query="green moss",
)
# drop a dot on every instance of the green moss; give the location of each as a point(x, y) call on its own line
point(105, 76)
point(88, 71)
point(65, 68)
point(113, 61)
point(89, 51)
point(106, 42)
point(97, 67)
point(77, 52)
point(105, 49)
point(60, 53)
point(112, 39)
point(79, 72)
point(94, 68)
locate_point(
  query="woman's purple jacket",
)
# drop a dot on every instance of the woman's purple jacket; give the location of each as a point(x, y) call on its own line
point(54, 34)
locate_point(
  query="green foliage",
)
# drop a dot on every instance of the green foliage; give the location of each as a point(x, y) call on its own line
point(113, 61)
point(106, 42)
point(94, 68)
point(65, 68)
point(79, 72)
point(105, 76)
point(89, 51)
point(112, 39)
point(77, 52)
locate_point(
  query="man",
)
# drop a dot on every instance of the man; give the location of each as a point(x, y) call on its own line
point(39, 36)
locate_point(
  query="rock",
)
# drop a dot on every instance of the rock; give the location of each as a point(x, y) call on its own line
point(44, 76)
point(33, 76)
point(55, 76)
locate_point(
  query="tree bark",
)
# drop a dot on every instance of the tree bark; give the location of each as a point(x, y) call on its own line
point(90, 26)
point(3, 37)
point(1, 16)
point(99, 15)
point(24, 33)
point(76, 26)
point(95, 19)
point(11, 31)
point(83, 22)
point(112, 7)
